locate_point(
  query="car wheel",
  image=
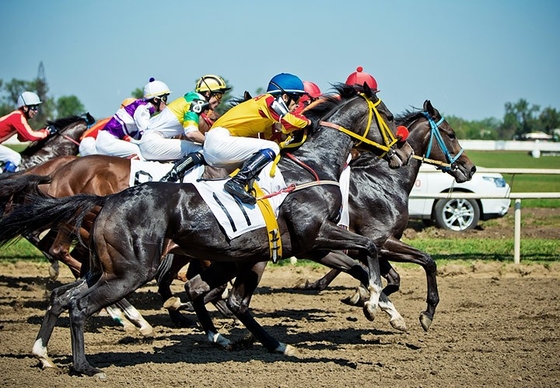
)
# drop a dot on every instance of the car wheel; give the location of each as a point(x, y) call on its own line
point(457, 214)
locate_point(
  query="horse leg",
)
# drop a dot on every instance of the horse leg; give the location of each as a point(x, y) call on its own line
point(391, 275)
point(135, 317)
point(334, 238)
point(396, 250)
point(245, 284)
point(201, 285)
point(322, 283)
point(385, 304)
point(60, 298)
point(106, 291)
point(167, 272)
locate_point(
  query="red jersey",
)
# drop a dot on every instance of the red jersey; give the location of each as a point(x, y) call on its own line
point(16, 122)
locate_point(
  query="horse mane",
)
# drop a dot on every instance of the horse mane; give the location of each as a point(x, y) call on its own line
point(65, 121)
point(319, 108)
point(408, 116)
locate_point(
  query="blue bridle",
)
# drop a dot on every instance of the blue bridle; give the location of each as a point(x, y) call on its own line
point(434, 132)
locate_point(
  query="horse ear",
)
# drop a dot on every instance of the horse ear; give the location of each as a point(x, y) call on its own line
point(247, 95)
point(367, 90)
point(429, 108)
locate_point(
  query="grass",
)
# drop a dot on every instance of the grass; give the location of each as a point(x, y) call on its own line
point(523, 182)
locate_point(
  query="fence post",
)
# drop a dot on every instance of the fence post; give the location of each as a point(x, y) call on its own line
point(517, 232)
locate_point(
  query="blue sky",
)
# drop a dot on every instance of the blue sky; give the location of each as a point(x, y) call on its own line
point(468, 57)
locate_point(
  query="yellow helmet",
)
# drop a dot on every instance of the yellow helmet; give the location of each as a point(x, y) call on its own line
point(211, 83)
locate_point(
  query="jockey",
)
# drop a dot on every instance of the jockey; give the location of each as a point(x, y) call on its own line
point(232, 141)
point(87, 141)
point(120, 135)
point(312, 93)
point(181, 117)
point(359, 77)
point(17, 122)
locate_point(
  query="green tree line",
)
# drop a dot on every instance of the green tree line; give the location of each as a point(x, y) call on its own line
point(519, 118)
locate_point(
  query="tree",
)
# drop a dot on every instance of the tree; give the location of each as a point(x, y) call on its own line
point(69, 106)
point(519, 119)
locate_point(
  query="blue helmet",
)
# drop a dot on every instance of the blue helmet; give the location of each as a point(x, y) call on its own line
point(285, 83)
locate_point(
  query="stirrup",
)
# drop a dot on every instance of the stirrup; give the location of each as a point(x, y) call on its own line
point(238, 191)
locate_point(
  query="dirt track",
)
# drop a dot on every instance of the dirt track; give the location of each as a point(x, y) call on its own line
point(496, 325)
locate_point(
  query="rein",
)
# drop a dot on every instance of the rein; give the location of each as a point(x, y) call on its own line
point(434, 132)
point(388, 136)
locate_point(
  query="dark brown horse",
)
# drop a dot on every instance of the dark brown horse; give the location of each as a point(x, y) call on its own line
point(65, 142)
point(378, 201)
point(135, 228)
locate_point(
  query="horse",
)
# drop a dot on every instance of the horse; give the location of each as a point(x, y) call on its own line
point(133, 229)
point(378, 201)
point(64, 142)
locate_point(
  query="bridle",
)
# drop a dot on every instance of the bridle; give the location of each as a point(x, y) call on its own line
point(434, 133)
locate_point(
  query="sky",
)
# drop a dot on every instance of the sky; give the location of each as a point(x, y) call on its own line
point(468, 57)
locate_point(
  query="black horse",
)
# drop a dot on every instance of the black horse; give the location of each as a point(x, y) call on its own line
point(135, 228)
point(378, 202)
point(65, 142)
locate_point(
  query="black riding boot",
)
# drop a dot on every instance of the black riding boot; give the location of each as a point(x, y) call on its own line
point(250, 170)
point(182, 166)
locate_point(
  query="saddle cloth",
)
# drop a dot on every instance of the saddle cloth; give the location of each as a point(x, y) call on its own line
point(235, 217)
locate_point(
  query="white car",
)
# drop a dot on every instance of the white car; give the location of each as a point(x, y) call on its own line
point(457, 214)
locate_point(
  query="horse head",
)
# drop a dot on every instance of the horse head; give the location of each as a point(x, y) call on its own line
point(435, 139)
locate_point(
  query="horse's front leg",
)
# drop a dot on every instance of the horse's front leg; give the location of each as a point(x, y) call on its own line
point(199, 286)
point(245, 284)
point(332, 237)
point(396, 250)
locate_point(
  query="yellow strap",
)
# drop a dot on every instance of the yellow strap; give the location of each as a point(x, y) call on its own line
point(272, 228)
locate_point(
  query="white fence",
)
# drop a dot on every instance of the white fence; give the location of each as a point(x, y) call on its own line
point(517, 197)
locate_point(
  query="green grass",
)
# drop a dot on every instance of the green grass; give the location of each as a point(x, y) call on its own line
point(446, 250)
point(523, 182)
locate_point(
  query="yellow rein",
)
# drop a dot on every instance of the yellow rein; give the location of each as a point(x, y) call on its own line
point(388, 136)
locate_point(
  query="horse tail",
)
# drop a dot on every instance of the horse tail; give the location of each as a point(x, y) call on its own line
point(14, 189)
point(46, 212)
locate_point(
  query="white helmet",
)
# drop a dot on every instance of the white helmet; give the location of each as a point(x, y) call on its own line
point(155, 88)
point(27, 99)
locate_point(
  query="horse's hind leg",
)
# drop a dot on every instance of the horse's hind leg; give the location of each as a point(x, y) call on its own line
point(104, 292)
point(60, 299)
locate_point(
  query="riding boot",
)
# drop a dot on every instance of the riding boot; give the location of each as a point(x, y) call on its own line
point(250, 170)
point(182, 166)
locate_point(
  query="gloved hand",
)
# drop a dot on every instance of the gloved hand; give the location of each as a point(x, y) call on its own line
point(199, 106)
point(51, 129)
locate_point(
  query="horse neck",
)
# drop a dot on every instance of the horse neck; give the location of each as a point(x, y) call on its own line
point(325, 153)
point(57, 146)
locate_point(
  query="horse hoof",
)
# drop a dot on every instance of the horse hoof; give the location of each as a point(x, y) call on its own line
point(399, 324)
point(173, 303)
point(54, 271)
point(47, 363)
point(100, 375)
point(287, 350)
point(147, 331)
point(369, 311)
point(425, 321)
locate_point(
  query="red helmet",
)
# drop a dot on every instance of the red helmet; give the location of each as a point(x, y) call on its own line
point(311, 89)
point(359, 77)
